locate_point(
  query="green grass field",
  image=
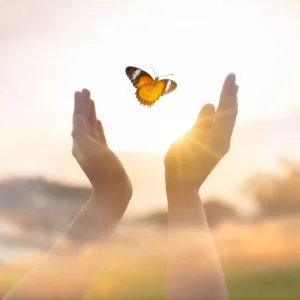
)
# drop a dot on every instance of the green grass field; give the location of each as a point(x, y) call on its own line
point(148, 283)
point(264, 266)
point(277, 284)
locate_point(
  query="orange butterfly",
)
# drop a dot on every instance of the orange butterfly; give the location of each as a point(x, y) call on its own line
point(149, 89)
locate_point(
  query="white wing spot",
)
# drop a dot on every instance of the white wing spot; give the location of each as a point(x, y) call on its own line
point(136, 74)
point(168, 85)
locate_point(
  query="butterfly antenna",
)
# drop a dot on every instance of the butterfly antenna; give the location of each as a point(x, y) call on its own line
point(166, 75)
point(154, 72)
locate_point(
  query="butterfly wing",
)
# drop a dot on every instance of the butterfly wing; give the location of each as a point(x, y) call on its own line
point(149, 94)
point(169, 86)
point(138, 77)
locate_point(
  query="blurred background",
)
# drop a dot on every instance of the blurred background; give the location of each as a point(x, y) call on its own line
point(49, 49)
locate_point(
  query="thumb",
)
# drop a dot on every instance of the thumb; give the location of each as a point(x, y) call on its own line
point(205, 118)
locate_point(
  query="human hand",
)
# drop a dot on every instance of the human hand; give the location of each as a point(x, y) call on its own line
point(104, 170)
point(192, 157)
point(99, 217)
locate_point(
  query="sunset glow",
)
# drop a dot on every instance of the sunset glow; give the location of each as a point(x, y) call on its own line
point(51, 49)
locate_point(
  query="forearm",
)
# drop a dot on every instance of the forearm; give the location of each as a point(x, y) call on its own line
point(194, 271)
point(67, 270)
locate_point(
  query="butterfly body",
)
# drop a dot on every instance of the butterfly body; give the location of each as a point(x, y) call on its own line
point(148, 90)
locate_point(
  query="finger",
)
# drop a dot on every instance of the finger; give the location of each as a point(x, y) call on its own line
point(101, 133)
point(87, 104)
point(86, 93)
point(79, 105)
point(87, 97)
point(205, 119)
point(93, 122)
point(228, 107)
point(229, 91)
point(93, 117)
point(79, 126)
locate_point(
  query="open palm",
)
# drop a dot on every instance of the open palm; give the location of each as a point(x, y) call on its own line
point(102, 167)
point(192, 157)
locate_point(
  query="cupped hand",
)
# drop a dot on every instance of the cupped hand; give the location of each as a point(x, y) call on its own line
point(192, 157)
point(102, 167)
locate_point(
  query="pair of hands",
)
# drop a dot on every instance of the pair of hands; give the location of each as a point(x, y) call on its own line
point(188, 162)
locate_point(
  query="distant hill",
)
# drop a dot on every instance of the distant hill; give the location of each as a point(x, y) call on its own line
point(37, 194)
point(39, 206)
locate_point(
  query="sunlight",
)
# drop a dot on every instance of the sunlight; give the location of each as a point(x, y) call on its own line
point(199, 52)
point(89, 45)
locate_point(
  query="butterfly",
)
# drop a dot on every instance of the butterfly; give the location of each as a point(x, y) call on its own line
point(148, 90)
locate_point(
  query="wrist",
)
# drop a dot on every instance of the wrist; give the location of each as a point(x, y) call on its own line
point(182, 180)
point(184, 204)
point(182, 197)
point(177, 184)
point(113, 197)
point(119, 188)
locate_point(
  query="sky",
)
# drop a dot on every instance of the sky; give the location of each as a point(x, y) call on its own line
point(50, 49)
